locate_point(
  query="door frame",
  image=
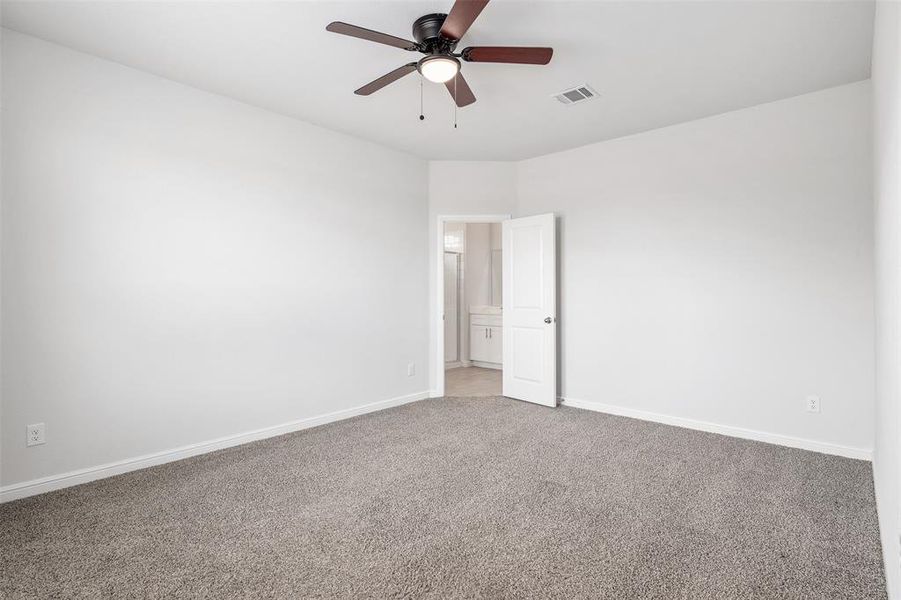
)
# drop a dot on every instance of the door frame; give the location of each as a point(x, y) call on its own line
point(436, 353)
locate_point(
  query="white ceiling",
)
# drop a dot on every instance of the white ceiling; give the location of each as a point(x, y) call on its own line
point(654, 64)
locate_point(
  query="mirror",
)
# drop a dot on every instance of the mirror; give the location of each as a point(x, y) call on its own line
point(497, 295)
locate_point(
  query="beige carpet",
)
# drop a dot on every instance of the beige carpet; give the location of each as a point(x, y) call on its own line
point(460, 498)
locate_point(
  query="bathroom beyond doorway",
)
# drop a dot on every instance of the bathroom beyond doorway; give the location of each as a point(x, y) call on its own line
point(473, 321)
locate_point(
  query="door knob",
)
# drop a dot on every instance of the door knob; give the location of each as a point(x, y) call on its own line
point(548, 320)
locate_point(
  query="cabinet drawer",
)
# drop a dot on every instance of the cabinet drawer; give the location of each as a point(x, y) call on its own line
point(486, 320)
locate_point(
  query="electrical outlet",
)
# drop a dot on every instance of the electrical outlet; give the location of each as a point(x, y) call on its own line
point(34, 435)
point(411, 369)
point(813, 404)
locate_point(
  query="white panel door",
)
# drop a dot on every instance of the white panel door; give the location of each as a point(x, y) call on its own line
point(530, 309)
point(451, 307)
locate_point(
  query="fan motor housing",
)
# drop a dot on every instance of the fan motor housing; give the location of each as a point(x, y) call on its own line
point(427, 31)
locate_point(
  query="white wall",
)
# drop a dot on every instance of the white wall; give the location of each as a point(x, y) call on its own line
point(478, 264)
point(887, 193)
point(497, 284)
point(471, 187)
point(721, 270)
point(717, 271)
point(179, 266)
point(496, 239)
point(462, 188)
point(477, 288)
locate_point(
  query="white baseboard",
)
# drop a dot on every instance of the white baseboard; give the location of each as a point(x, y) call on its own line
point(64, 480)
point(739, 432)
point(456, 364)
point(487, 365)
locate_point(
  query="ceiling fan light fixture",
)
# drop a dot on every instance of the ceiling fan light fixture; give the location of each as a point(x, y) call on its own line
point(437, 36)
point(439, 68)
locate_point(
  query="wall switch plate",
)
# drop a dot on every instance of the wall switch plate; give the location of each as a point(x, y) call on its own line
point(813, 404)
point(34, 435)
point(411, 369)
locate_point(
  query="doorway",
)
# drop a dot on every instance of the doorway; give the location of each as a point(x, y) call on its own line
point(508, 329)
point(472, 295)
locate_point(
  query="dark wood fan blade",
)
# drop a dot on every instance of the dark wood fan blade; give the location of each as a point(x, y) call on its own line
point(509, 54)
point(460, 18)
point(372, 36)
point(377, 84)
point(460, 90)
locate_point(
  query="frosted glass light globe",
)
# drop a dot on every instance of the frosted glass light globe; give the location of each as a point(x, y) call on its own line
point(439, 68)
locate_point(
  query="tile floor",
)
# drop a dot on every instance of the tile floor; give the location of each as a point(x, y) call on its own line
point(472, 381)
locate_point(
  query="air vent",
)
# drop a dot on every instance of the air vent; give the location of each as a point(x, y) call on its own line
point(580, 93)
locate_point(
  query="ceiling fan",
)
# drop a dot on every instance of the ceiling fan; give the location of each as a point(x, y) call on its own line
point(437, 36)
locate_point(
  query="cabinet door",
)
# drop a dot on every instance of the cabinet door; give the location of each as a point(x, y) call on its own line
point(479, 343)
point(495, 345)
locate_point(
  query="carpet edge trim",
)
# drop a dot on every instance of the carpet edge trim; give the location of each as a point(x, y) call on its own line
point(50, 483)
point(728, 430)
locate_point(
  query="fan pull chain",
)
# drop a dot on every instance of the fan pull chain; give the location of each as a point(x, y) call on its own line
point(455, 98)
point(421, 116)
